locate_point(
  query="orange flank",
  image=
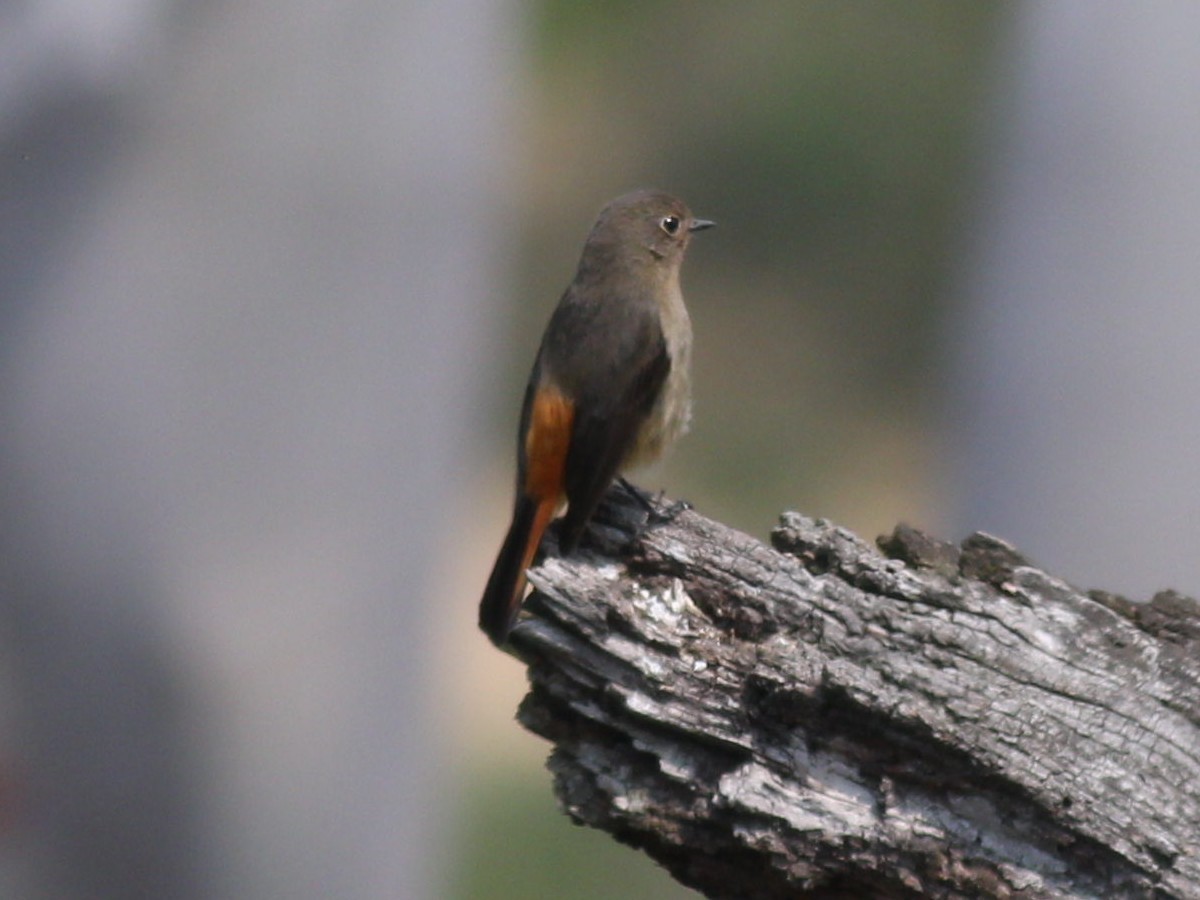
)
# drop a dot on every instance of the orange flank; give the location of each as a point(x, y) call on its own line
point(546, 446)
point(547, 441)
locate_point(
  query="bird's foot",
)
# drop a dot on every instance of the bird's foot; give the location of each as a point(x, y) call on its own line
point(656, 512)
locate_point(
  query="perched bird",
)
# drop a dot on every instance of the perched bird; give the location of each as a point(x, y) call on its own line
point(610, 387)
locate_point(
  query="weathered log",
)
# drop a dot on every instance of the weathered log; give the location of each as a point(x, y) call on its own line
point(823, 718)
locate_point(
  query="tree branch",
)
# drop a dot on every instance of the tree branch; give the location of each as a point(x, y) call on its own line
point(824, 719)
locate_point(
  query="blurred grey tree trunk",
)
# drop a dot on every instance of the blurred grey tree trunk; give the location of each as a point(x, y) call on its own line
point(1080, 413)
point(247, 258)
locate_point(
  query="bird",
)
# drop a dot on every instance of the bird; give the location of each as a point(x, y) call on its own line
point(610, 388)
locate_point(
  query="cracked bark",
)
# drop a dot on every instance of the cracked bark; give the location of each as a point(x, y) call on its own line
point(821, 718)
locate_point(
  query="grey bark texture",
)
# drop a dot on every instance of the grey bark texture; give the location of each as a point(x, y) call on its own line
point(821, 718)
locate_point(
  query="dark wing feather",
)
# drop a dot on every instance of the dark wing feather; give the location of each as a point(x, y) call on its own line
point(531, 387)
point(604, 432)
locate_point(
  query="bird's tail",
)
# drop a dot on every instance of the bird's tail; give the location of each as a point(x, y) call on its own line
point(506, 587)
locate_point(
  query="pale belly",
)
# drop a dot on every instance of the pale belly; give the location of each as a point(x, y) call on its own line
point(672, 412)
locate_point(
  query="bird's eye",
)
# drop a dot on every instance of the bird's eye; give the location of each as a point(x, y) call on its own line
point(670, 224)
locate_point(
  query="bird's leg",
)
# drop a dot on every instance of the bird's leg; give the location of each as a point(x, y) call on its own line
point(656, 514)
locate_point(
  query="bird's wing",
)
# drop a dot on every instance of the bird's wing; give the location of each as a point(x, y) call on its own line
point(606, 425)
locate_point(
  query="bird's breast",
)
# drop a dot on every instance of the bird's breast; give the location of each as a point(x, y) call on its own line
point(671, 414)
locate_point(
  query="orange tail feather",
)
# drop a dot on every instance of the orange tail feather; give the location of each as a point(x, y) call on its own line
point(506, 587)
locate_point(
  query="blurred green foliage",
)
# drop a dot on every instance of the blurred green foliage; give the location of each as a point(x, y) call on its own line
point(517, 844)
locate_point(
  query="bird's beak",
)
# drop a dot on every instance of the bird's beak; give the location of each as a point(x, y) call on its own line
point(700, 224)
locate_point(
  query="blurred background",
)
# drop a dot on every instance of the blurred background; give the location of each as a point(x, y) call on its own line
point(271, 278)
